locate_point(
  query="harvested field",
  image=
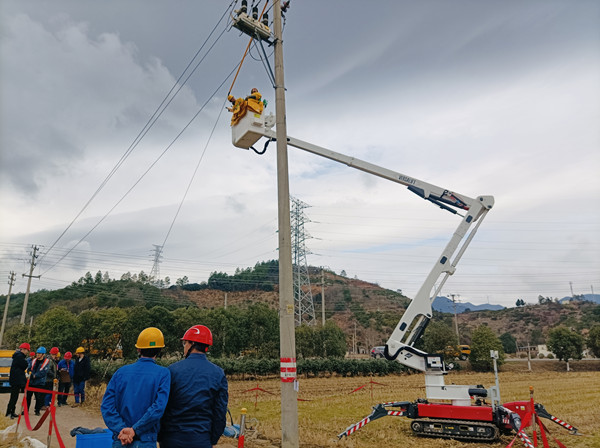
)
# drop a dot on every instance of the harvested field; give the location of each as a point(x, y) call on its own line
point(331, 408)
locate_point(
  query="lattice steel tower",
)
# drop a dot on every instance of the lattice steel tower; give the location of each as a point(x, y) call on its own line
point(155, 272)
point(304, 309)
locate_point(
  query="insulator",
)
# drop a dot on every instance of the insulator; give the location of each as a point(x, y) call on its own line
point(244, 8)
point(255, 13)
point(265, 19)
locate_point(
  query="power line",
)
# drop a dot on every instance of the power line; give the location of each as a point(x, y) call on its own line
point(151, 121)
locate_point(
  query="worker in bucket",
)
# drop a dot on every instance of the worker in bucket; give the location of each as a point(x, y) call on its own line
point(137, 394)
point(196, 413)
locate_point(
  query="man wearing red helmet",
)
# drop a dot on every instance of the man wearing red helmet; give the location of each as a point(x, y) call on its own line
point(17, 377)
point(66, 369)
point(51, 375)
point(196, 411)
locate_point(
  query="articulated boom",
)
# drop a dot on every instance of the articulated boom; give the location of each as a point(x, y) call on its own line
point(400, 346)
point(463, 419)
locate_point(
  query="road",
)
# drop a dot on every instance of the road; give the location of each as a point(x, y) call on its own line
point(67, 418)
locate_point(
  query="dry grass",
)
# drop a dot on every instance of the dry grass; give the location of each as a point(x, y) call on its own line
point(331, 408)
point(572, 397)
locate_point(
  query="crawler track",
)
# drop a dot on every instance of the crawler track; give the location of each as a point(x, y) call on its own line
point(455, 429)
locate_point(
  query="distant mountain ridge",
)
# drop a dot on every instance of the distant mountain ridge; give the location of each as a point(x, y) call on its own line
point(445, 305)
point(583, 297)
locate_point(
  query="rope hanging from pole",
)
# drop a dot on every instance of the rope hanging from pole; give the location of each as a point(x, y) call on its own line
point(245, 53)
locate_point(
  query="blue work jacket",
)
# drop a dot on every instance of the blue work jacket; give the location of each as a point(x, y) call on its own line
point(136, 397)
point(39, 371)
point(68, 365)
point(197, 404)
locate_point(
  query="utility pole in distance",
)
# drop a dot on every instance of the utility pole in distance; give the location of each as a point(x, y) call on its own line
point(287, 347)
point(322, 297)
point(29, 277)
point(11, 282)
point(455, 317)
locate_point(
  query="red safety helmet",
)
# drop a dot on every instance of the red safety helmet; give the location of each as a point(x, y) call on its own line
point(32, 354)
point(25, 345)
point(54, 351)
point(198, 333)
point(68, 355)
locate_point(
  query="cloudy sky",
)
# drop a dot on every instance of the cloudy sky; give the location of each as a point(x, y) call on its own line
point(480, 97)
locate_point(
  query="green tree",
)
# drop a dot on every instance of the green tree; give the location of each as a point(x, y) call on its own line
point(182, 281)
point(565, 344)
point(593, 341)
point(58, 327)
point(537, 337)
point(438, 336)
point(306, 341)
point(509, 343)
point(262, 323)
point(483, 340)
point(332, 341)
point(17, 334)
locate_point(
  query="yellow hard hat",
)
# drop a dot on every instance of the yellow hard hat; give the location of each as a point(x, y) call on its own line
point(151, 337)
point(80, 350)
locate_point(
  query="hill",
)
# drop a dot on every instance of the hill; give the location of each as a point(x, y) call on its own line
point(583, 297)
point(366, 312)
point(446, 305)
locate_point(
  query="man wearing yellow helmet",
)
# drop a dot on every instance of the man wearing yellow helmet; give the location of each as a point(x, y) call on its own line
point(137, 394)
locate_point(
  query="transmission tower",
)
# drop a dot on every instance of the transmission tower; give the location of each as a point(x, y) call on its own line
point(155, 272)
point(304, 309)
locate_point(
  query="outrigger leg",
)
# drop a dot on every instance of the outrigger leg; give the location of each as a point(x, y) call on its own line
point(379, 411)
point(541, 411)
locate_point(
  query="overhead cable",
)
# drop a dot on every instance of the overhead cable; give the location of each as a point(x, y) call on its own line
point(151, 121)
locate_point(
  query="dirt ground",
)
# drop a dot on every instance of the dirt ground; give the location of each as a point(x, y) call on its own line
point(67, 418)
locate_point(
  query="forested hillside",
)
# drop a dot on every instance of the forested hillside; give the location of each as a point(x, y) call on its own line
point(100, 310)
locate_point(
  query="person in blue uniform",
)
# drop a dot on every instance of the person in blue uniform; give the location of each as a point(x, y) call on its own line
point(37, 379)
point(66, 370)
point(137, 394)
point(195, 416)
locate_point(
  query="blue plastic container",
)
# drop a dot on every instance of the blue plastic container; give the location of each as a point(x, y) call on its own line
point(99, 440)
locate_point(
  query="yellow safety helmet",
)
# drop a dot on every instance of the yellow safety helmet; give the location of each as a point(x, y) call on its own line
point(80, 350)
point(151, 337)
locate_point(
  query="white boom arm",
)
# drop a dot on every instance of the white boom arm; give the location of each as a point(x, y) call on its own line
point(400, 345)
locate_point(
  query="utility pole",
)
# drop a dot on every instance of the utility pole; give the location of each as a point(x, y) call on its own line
point(571, 285)
point(323, 297)
point(287, 348)
point(455, 317)
point(11, 282)
point(29, 277)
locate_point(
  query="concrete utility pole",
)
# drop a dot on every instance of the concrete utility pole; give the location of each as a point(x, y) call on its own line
point(455, 317)
point(323, 297)
point(289, 391)
point(11, 282)
point(571, 286)
point(29, 277)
